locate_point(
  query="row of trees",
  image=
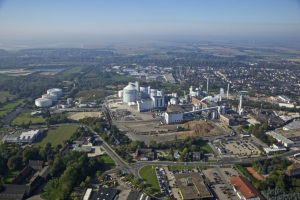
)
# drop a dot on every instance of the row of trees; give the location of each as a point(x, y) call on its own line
point(69, 171)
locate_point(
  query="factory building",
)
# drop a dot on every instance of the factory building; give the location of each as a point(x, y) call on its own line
point(173, 117)
point(24, 137)
point(144, 97)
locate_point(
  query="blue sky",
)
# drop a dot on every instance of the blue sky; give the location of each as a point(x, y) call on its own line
point(32, 19)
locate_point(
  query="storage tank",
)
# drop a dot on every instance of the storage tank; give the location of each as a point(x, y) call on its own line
point(120, 93)
point(55, 91)
point(153, 92)
point(129, 93)
point(51, 96)
point(43, 102)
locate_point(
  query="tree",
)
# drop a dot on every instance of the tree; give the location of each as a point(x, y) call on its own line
point(14, 163)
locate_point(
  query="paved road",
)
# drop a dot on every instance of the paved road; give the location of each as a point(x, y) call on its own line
point(118, 160)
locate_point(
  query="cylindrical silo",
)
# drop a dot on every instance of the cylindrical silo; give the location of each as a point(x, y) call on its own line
point(129, 93)
point(43, 102)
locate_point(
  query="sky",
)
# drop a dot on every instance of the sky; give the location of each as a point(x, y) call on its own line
point(32, 22)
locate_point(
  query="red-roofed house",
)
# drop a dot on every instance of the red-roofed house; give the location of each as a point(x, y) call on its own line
point(244, 189)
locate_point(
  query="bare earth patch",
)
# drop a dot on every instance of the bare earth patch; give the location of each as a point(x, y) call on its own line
point(81, 115)
point(200, 128)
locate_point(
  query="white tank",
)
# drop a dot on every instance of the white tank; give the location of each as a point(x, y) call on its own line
point(129, 93)
point(51, 96)
point(43, 102)
point(120, 94)
point(55, 91)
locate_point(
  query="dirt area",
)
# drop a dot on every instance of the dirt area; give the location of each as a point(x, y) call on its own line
point(200, 128)
point(81, 115)
point(254, 174)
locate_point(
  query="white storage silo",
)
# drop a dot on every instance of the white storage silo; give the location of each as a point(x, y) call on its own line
point(43, 102)
point(55, 91)
point(129, 93)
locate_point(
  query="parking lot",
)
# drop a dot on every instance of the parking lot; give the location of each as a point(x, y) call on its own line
point(163, 181)
point(219, 184)
point(242, 148)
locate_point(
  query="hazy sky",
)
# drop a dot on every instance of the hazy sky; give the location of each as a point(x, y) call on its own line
point(79, 20)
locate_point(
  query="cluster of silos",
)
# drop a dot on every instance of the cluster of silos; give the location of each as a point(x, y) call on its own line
point(133, 93)
point(47, 99)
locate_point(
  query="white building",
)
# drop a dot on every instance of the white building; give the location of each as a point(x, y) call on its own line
point(145, 105)
point(27, 137)
point(274, 149)
point(280, 138)
point(173, 117)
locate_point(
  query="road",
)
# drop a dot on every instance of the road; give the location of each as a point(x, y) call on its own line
point(121, 164)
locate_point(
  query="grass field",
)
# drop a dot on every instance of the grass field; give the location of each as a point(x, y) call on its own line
point(10, 176)
point(25, 118)
point(93, 94)
point(58, 135)
point(7, 108)
point(4, 95)
point(206, 148)
point(148, 174)
point(108, 163)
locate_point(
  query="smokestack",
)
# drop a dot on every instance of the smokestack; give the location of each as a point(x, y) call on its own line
point(207, 85)
point(227, 91)
point(241, 104)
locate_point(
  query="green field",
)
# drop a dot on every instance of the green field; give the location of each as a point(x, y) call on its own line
point(206, 148)
point(4, 95)
point(149, 176)
point(9, 107)
point(108, 163)
point(58, 135)
point(10, 176)
point(25, 118)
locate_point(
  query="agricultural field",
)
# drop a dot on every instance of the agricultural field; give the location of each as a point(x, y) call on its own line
point(149, 176)
point(9, 107)
point(57, 135)
point(26, 118)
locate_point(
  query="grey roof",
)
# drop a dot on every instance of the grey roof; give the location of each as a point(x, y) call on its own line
point(104, 194)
